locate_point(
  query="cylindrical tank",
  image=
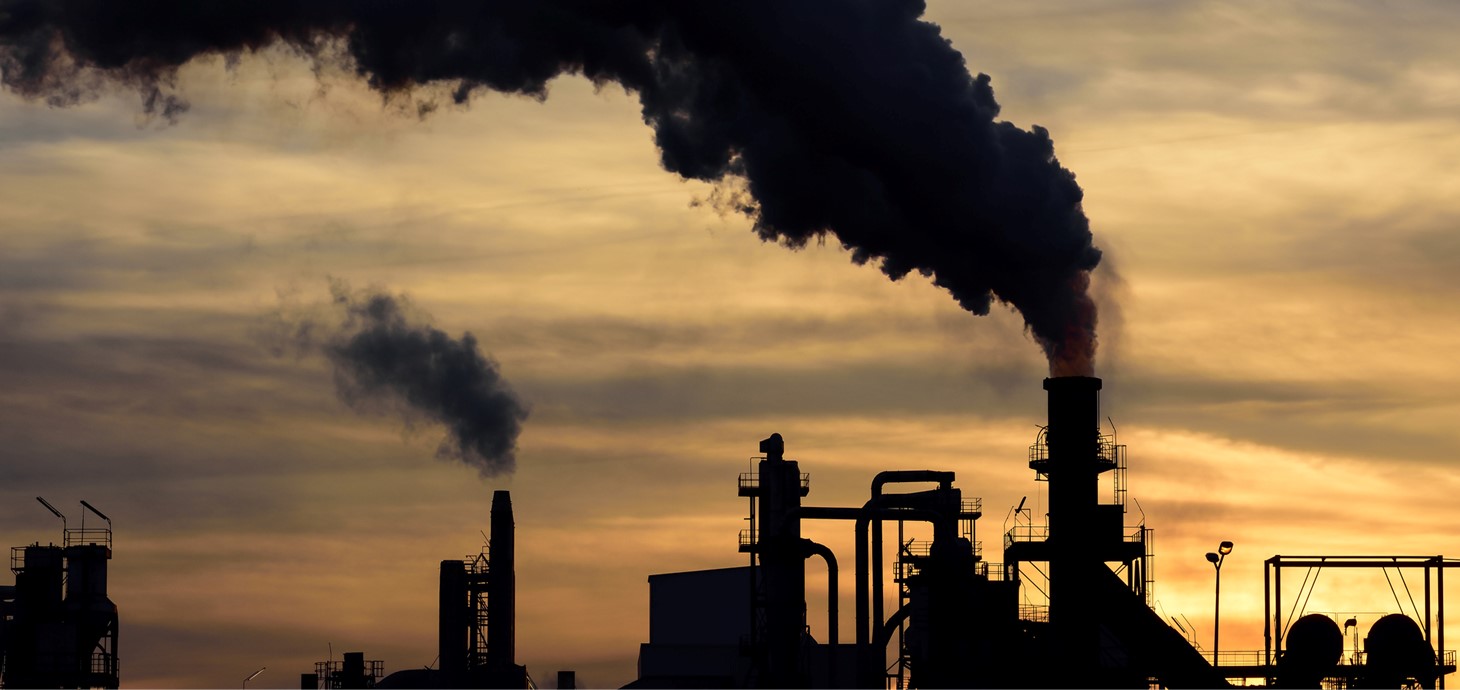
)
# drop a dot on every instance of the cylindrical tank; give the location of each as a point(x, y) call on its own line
point(1397, 652)
point(1315, 645)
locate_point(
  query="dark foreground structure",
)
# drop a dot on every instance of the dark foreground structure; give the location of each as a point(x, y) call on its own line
point(477, 622)
point(1069, 605)
point(962, 621)
point(58, 629)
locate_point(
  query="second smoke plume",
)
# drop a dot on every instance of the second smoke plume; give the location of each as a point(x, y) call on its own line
point(385, 357)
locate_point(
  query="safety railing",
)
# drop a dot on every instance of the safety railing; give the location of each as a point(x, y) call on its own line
point(1036, 613)
point(1241, 657)
point(1107, 449)
point(100, 536)
point(749, 537)
point(751, 480)
point(1026, 533)
point(104, 664)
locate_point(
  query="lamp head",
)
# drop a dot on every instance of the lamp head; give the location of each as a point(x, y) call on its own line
point(1351, 623)
point(1212, 558)
point(1225, 548)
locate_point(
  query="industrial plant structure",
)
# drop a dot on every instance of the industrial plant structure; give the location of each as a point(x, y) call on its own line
point(58, 629)
point(963, 621)
point(1069, 604)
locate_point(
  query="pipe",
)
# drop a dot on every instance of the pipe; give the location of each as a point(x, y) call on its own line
point(884, 635)
point(945, 528)
point(945, 482)
point(810, 548)
point(864, 626)
point(863, 517)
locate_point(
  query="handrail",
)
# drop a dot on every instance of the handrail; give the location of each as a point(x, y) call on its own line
point(751, 480)
point(101, 536)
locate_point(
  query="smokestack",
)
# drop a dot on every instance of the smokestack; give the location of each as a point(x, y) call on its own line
point(502, 588)
point(853, 119)
point(1074, 479)
point(1074, 449)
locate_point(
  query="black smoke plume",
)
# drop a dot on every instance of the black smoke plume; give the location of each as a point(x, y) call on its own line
point(385, 357)
point(852, 118)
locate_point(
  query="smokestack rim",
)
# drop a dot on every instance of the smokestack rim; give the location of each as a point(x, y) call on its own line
point(1061, 383)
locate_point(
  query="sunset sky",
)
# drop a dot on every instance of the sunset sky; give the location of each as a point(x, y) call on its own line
point(1276, 187)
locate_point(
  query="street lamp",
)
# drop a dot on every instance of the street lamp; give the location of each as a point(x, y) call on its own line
point(252, 676)
point(1216, 560)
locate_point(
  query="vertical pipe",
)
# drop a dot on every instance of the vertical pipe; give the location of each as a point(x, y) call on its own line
point(901, 629)
point(1428, 639)
point(1267, 614)
point(453, 627)
point(1441, 576)
point(864, 634)
point(1277, 606)
point(877, 592)
point(502, 587)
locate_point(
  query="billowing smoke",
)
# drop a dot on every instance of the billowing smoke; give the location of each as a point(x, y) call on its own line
point(385, 358)
point(851, 118)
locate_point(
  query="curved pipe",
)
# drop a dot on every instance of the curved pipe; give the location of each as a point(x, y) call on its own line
point(944, 480)
point(893, 507)
point(808, 549)
point(884, 635)
point(942, 477)
point(881, 512)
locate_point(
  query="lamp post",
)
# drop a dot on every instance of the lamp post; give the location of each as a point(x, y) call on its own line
point(252, 676)
point(1216, 560)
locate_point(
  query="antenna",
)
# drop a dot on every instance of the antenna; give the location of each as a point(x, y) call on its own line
point(53, 510)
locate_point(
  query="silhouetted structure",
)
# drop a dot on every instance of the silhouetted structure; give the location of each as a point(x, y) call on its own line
point(477, 617)
point(959, 622)
point(1397, 650)
point(58, 629)
point(351, 672)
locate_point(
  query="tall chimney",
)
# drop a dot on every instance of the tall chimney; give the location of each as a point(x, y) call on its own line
point(502, 588)
point(1074, 480)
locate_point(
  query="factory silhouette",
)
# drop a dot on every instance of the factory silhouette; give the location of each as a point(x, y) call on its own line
point(961, 620)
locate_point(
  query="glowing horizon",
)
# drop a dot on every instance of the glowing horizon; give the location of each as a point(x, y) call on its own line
point(1275, 355)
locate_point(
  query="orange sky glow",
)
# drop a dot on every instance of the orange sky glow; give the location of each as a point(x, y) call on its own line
point(1274, 184)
